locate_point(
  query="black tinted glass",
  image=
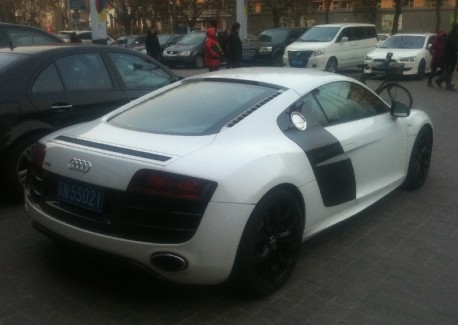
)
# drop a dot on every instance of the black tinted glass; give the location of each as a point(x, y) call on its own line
point(319, 34)
point(193, 108)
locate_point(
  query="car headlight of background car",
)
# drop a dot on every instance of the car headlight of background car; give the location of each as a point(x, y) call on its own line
point(265, 49)
point(318, 52)
point(185, 53)
point(408, 59)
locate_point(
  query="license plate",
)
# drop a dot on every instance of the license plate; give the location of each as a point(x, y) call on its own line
point(80, 194)
point(297, 63)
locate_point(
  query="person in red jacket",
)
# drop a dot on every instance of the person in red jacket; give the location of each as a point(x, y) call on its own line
point(438, 59)
point(213, 51)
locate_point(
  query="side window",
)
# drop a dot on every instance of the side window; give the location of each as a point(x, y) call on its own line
point(48, 81)
point(371, 32)
point(346, 101)
point(22, 37)
point(311, 110)
point(85, 71)
point(358, 34)
point(139, 73)
point(430, 41)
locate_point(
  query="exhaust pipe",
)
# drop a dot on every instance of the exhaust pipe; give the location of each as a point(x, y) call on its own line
point(168, 262)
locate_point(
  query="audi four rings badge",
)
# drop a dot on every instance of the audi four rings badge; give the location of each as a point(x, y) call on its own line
point(79, 165)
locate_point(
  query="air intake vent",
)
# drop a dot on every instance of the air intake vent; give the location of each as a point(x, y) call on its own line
point(252, 109)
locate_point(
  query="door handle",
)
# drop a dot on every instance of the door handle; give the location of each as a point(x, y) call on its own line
point(62, 107)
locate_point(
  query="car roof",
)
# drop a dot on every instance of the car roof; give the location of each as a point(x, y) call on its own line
point(300, 80)
point(345, 25)
point(413, 34)
point(60, 47)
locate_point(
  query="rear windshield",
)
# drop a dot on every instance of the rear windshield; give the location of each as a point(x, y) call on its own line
point(319, 34)
point(193, 108)
point(8, 58)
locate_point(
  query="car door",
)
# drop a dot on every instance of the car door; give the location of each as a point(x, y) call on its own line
point(75, 88)
point(375, 142)
point(139, 75)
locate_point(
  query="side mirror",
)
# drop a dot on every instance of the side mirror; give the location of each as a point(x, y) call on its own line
point(399, 110)
point(344, 39)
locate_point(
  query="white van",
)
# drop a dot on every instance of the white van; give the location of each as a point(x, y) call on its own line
point(331, 46)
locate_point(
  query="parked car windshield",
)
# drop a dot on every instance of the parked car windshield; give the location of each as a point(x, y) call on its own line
point(190, 109)
point(404, 42)
point(319, 34)
point(193, 38)
point(128, 41)
point(273, 35)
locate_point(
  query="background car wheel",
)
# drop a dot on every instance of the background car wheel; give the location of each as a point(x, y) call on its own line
point(421, 70)
point(15, 168)
point(198, 62)
point(420, 159)
point(331, 66)
point(270, 244)
point(278, 60)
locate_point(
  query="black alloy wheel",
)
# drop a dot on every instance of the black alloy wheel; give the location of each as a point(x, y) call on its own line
point(270, 244)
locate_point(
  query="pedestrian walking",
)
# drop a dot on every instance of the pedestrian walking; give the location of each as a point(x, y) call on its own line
point(153, 48)
point(213, 51)
point(450, 57)
point(438, 61)
point(234, 48)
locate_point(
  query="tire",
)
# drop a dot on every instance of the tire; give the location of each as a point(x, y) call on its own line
point(420, 159)
point(396, 92)
point(198, 61)
point(15, 167)
point(421, 70)
point(278, 60)
point(270, 244)
point(331, 66)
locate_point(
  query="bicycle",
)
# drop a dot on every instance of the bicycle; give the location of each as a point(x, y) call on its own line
point(389, 89)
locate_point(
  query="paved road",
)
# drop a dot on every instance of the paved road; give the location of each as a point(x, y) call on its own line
point(394, 263)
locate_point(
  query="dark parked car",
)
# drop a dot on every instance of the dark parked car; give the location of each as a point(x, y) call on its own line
point(189, 51)
point(130, 41)
point(13, 35)
point(83, 36)
point(269, 46)
point(44, 88)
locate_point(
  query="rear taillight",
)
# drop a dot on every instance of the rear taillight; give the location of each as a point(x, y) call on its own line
point(37, 154)
point(157, 183)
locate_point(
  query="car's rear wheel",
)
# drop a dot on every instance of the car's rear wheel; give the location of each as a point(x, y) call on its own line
point(331, 66)
point(420, 159)
point(270, 244)
point(198, 61)
point(15, 167)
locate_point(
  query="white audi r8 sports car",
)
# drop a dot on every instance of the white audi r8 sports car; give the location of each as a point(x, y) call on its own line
point(220, 177)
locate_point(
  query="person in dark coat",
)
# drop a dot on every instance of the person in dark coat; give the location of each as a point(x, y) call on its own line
point(450, 56)
point(438, 61)
point(234, 48)
point(153, 48)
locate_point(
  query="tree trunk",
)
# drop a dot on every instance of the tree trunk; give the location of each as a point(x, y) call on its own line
point(397, 14)
point(438, 15)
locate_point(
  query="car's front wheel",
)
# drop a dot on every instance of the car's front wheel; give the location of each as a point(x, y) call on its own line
point(420, 159)
point(198, 61)
point(270, 244)
point(331, 66)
